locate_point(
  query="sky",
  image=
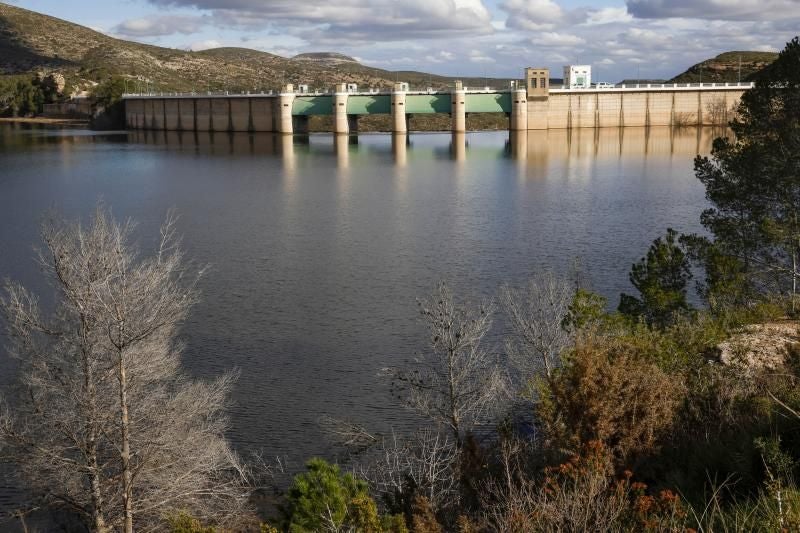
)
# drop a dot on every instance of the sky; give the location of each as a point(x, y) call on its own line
point(495, 38)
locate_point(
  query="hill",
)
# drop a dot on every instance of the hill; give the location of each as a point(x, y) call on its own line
point(325, 57)
point(31, 42)
point(726, 68)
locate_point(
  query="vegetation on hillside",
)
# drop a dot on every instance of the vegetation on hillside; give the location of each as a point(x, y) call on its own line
point(727, 67)
point(23, 96)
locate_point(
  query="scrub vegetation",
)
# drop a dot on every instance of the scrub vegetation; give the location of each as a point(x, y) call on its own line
point(659, 416)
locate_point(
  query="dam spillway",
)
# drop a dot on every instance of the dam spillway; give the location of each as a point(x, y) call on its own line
point(528, 108)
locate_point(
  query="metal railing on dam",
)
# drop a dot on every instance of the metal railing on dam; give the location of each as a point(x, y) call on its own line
point(288, 111)
point(468, 90)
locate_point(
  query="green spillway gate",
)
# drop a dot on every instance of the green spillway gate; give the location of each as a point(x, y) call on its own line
point(369, 104)
point(427, 103)
point(312, 105)
point(488, 103)
point(415, 104)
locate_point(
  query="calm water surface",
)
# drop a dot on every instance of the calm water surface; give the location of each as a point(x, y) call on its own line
point(319, 245)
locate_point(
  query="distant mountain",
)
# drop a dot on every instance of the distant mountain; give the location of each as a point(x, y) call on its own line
point(726, 68)
point(31, 42)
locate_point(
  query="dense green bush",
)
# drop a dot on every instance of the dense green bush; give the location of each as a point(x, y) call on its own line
point(323, 498)
point(20, 97)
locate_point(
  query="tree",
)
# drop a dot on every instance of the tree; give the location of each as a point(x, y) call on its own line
point(753, 180)
point(661, 278)
point(23, 97)
point(325, 499)
point(108, 96)
point(109, 92)
point(105, 423)
point(455, 382)
point(426, 464)
point(537, 315)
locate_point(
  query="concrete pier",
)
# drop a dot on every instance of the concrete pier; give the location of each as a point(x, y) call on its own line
point(399, 122)
point(284, 121)
point(519, 110)
point(341, 124)
point(458, 109)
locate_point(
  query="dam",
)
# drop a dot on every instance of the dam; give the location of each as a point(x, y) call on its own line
point(529, 105)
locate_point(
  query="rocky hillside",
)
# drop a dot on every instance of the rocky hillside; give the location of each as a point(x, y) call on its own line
point(725, 68)
point(31, 42)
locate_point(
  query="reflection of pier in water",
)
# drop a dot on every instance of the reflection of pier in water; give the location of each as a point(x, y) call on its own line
point(534, 150)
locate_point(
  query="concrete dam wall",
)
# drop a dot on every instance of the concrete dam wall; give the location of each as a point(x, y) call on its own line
point(288, 112)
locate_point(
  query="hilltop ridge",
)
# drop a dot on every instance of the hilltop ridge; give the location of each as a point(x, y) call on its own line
point(727, 67)
point(31, 42)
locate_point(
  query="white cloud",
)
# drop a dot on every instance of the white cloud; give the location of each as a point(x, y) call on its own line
point(463, 37)
point(204, 45)
point(154, 26)
point(443, 56)
point(532, 14)
point(608, 15)
point(477, 56)
point(557, 40)
point(350, 20)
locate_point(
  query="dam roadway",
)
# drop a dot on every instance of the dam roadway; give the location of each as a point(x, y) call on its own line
point(530, 107)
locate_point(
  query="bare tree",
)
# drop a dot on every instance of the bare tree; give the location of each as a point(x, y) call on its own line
point(105, 424)
point(426, 463)
point(536, 313)
point(455, 382)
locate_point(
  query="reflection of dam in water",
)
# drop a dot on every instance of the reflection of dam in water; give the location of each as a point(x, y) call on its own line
point(531, 148)
point(319, 245)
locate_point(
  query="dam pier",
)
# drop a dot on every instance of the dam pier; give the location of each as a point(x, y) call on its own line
point(529, 105)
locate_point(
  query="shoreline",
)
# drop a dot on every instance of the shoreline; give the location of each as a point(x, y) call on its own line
point(45, 121)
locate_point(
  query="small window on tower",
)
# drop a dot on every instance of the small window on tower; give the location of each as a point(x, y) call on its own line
point(533, 83)
point(543, 82)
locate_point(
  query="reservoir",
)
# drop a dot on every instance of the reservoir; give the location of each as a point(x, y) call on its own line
point(318, 246)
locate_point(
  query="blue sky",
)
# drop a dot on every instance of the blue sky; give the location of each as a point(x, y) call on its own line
point(620, 38)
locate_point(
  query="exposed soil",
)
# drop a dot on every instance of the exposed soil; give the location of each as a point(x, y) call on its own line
point(760, 345)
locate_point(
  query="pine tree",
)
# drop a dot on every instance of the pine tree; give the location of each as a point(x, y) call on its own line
point(753, 181)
